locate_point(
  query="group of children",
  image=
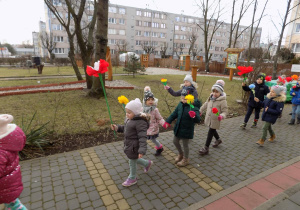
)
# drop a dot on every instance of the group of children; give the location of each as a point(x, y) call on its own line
point(138, 129)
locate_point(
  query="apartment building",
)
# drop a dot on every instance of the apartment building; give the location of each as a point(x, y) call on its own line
point(132, 28)
point(292, 39)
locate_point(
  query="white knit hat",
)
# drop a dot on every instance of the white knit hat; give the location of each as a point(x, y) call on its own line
point(189, 78)
point(278, 89)
point(219, 86)
point(135, 106)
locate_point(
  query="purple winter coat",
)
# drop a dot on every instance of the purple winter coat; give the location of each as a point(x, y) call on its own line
point(11, 143)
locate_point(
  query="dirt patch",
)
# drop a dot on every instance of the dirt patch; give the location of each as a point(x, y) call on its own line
point(67, 143)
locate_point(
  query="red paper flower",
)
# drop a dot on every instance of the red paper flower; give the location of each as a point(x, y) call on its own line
point(294, 86)
point(214, 110)
point(288, 79)
point(100, 67)
point(268, 78)
point(192, 114)
point(281, 80)
point(244, 70)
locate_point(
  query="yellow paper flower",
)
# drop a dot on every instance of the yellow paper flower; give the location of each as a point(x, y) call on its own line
point(163, 80)
point(190, 99)
point(123, 100)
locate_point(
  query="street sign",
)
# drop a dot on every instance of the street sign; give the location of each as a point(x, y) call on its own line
point(295, 68)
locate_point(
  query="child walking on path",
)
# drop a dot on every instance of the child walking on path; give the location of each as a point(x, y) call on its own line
point(188, 84)
point(135, 140)
point(273, 106)
point(184, 127)
point(295, 92)
point(12, 140)
point(260, 91)
point(149, 107)
point(217, 99)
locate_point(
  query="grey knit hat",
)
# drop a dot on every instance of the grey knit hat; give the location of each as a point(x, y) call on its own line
point(219, 86)
point(188, 78)
point(278, 89)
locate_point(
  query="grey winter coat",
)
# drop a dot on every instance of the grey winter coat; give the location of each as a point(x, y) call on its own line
point(211, 119)
point(135, 140)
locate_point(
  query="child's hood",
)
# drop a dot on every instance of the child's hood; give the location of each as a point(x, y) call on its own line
point(280, 98)
point(142, 116)
point(13, 140)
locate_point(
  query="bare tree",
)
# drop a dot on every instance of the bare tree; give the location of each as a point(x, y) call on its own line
point(211, 13)
point(283, 26)
point(48, 42)
point(163, 49)
point(192, 39)
point(101, 45)
point(122, 45)
point(148, 47)
point(252, 30)
point(66, 23)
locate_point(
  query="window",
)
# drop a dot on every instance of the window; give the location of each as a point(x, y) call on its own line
point(112, 9)
point(122, 32)
point(218, 33)
point(163, 16)
point(182, 37)
point(112, 51)
point(217, 41)
point(217, 48)
point(112, 20)
point(139, 13)
point(111, 41)
point(59, 50)
point(190, 20)
point(111, 31)
point(138, 33)
point(122, 21)
point(57, 2)
point(183, 28)
point(58, 39)
point(147, 24)
point(197, 21)
point(155, 25)
point(147, 33)
point(184, 19)
point(138, 42)
point(176, 28)
point(177, 19)
point(90, 7)
point(298, 27)
point(154, 43)
point(147, 14)
point(156, 15)
point(122, 11)
point(163, 25)
point(222, 48)
point(121, 42)
point(211, 47)
point(155, 34)
point(162, 35)
point(176, 36)
point(182, 45)
point(57, 27)
point(138, 23)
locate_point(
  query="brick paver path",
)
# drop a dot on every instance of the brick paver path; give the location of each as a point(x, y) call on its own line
point(91, 178)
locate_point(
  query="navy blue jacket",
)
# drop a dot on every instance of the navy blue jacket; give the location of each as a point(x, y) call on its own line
point(296, 98)
point(275, 108)
point(260, 91)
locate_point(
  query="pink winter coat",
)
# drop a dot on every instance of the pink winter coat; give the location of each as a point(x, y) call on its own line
point(155, 120)
point(11, 143)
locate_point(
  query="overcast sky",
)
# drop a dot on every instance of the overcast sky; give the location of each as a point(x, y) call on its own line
point(19, 18)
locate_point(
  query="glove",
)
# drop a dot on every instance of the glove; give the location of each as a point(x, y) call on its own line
point(220, 117)
point(166, 125)
point(192, 114)
point(166, 87)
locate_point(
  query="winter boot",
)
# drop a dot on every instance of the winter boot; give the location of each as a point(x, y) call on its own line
point(204, 151)
point(254, 124)
point(159, 150)
point(217, 143)
point(260, 142)
point(243, 125)
point(271, 139)
point(298, 120)
point(292, 122)
point(179, 158)
point(183, 162)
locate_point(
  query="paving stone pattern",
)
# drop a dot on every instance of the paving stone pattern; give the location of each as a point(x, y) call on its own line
point(92, 178)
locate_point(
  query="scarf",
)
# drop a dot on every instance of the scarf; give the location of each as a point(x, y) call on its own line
point(148, 109)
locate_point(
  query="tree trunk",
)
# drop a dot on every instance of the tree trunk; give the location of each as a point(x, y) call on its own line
point(101, 44)
point(72, 58)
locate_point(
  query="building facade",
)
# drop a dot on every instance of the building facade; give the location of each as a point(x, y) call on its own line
point(135, 29)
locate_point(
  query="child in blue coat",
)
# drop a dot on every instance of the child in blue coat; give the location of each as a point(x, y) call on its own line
point(272, 106)
point(295, 92)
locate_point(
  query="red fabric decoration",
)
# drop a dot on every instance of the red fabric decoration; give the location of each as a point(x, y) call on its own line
point(244, 70)
point(288, 79)
point(294, 86)
point(214, 110)
point(268, 78)
point(192, 114)
point(281, 80)
point(102, 69)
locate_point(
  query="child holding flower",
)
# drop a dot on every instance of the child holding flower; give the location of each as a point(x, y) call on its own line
point(187, 83)
point(187, 114)
point(216, 110)
point(149, 107)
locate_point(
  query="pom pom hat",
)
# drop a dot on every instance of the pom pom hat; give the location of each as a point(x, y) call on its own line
point(278, 89)
point(188, 78)
point(147, 93)
point(219, 86)
point(135, 106)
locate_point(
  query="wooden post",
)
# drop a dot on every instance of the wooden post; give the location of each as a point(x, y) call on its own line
point(187, 62)
point(108, 59)
point(230, 74)
point(194, 73)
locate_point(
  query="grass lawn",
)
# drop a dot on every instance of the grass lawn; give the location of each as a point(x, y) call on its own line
point(47, 71)
point(72, 112)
